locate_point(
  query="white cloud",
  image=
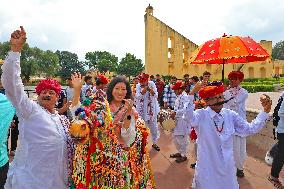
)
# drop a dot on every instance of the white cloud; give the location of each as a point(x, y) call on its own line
point(118, 26)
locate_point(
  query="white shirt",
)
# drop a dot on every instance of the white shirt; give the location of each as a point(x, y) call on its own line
point(182, 127)
point(41, 157)
point(215, 167)
point(69, 93)
point(142, 102)
point(237, 104)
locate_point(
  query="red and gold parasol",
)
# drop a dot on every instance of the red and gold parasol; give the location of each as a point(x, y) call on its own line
point(229, 49)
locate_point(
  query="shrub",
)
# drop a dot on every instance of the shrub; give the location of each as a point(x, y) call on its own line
point(258, 88)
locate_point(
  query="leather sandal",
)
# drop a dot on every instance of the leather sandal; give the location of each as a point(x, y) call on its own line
point(156, 147)
point(176, 155)
point(181, 159)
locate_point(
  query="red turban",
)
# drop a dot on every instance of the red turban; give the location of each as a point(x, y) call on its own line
point(143, 77)
point(49, 84)
point(236, 74)
point(211, 91)
point(102, 79)
point(178, 85)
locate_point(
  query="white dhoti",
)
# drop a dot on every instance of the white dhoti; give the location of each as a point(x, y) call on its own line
point(240, 152)
point(181, 142)
point(154, 129)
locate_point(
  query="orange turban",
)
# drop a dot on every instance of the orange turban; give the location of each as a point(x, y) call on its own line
point(211, 90)
point(236, 74)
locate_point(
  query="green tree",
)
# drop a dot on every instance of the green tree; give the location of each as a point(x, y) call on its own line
point(130, 66)
point(278, 51)
point(29, 62)
point(48, 63)
point(102, 60)
point(69, 64)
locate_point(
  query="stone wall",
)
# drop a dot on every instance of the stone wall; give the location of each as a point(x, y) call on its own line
point(263, 140)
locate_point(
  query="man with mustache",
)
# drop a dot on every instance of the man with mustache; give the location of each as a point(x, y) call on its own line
point(41, 160)
point(215, 127)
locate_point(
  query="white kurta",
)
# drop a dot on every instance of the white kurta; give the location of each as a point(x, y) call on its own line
point(143, 108)
point(147, 104)
point(238, 103)
point(41, 157)
point(182, 127)
point(215, 168)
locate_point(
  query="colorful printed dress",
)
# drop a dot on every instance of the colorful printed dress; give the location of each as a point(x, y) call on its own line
point(100, 161)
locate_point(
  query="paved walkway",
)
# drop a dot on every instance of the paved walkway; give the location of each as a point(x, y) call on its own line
point(171, 175)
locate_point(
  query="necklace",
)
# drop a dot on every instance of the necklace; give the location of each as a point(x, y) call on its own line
point(217, 128)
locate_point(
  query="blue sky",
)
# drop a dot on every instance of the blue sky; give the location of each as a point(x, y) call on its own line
point(118, 26)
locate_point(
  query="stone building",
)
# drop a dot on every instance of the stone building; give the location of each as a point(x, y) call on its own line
point(167, 52)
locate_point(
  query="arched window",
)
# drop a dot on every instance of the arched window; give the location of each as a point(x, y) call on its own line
point(251, 72)
point(262, 72)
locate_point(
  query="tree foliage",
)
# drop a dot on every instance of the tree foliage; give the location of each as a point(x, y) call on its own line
point(130, 66)
point(102, 60)
point(69, 64)
point(278, 51)
point(34, 61)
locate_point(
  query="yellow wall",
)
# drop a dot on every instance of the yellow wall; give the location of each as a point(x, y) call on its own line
point(158, 46)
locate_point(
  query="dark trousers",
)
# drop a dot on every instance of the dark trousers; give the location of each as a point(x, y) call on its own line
point(274, 150)
point(278, 160)
point(14, 134)
point(3, 175)
point(14, 137)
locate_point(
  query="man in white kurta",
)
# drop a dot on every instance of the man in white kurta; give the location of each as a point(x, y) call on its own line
point(40, 161)
point(216, 126)
point(147, 106)
point(238, 96)
point(182, 128)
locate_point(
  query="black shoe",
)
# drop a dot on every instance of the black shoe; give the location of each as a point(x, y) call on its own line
point(240, 173)
point(156, 147)
point(192, 166)
point(176, 155)
point(181, 159)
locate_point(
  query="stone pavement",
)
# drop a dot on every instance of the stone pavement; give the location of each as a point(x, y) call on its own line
point(171, 175)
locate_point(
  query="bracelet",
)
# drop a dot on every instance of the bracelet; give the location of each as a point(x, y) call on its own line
point(128, 117)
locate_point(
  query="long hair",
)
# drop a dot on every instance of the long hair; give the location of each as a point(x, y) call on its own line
point(111, 85)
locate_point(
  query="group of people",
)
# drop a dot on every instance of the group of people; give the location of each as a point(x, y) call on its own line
point(107, 137)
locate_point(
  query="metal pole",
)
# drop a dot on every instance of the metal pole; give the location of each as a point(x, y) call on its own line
point(223, 71)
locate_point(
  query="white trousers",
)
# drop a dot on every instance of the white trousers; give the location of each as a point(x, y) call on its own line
point(154, 129)
point(240, 152)
point(181, 142)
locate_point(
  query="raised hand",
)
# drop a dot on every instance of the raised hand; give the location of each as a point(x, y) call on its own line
point(266, 102)
point(77, 80)
point(18, 39)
